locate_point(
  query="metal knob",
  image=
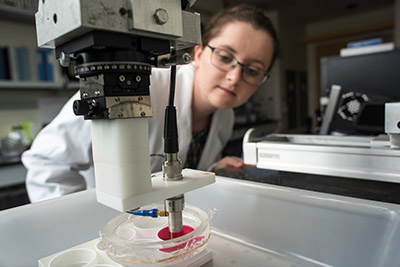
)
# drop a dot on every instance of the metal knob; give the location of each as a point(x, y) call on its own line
point(81, 107)
point(64, 60)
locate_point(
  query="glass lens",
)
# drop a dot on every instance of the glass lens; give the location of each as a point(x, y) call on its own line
point(226, 61)
point(223, 59)
point(252, 75)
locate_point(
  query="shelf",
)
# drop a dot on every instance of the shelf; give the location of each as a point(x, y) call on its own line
point(29, 85)
point(18, 14)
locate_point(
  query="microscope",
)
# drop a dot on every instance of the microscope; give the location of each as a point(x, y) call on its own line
point(114, 44)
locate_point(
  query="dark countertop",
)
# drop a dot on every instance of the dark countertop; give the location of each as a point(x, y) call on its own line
point(10, 161)
point(12, 174)
point(358, 188)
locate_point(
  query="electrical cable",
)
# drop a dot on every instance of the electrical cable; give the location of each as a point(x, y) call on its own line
point(172, 86)
point(170, 123)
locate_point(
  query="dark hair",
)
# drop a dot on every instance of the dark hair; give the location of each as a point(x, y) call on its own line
point(244, 13)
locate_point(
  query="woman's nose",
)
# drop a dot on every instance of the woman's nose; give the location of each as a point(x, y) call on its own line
point(235, 74)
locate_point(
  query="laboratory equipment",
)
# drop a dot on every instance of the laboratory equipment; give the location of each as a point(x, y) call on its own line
point(352, 112)
point(114, 45)
point(364, 79)
point(392, 123)
point(364, 157)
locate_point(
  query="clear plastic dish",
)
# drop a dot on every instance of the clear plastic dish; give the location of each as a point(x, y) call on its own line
point(134, 240)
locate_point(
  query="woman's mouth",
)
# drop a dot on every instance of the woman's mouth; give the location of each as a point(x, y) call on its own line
point(227, 91)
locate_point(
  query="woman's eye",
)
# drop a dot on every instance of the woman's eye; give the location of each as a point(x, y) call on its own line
point(225, 58)
point(252, 71)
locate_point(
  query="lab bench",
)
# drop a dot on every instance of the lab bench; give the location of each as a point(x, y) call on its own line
point(12, 185)
point(358, 188)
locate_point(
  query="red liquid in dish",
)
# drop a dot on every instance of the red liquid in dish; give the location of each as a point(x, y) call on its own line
point(165, 234)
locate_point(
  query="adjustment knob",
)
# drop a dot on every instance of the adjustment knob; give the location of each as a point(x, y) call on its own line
point(81, 107)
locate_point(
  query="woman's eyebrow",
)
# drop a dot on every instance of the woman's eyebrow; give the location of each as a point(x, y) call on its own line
point(233, 51)
point(259, 61)
point(226, 47)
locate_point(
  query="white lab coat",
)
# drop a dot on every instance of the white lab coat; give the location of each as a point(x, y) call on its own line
point(60, 159)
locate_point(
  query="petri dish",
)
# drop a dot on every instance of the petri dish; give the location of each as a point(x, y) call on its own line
point(145, 247)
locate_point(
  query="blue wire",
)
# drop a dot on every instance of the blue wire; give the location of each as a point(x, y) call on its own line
point(148, 213)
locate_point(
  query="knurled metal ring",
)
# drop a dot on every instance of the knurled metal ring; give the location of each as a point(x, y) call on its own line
point(103, 67)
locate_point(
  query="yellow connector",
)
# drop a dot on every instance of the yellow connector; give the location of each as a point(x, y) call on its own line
point(162, 213)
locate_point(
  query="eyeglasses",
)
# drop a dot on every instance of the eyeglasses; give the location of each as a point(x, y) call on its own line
point(226, 61)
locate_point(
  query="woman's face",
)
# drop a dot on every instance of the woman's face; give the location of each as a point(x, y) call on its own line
point(218, 89)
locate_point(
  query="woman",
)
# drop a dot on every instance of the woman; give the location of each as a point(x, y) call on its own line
point(238, 49)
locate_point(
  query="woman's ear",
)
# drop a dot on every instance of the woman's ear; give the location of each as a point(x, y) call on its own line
point(198, 51)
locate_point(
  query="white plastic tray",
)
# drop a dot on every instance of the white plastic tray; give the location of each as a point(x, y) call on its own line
point(298, 227)
point(103, 260)
point(223, 250)
point(253, 225)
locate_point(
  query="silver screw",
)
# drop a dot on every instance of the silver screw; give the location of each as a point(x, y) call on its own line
point(122, 78)
point(138, 78)
point(97, 93)
point(143, 114)
point(64, 60)
point(117, 99)
point(120, 114)
point(186, 58)
point(140, 98)
point(85, 95)
point(161, 16)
